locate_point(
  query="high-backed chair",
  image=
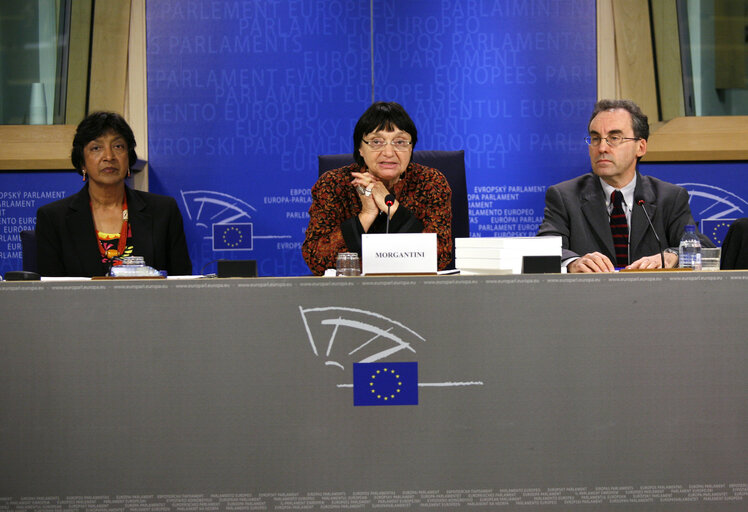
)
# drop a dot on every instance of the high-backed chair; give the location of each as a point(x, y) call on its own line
point(28, 250)
point(452, 166)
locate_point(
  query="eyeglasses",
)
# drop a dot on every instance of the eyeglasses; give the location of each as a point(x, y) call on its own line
point(612, 140)
point(379, 144)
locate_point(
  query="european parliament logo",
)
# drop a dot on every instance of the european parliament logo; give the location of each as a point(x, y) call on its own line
point(232, 237)
point(343, 336)
point(715, 208)
point(385, 384)
point(716, 229)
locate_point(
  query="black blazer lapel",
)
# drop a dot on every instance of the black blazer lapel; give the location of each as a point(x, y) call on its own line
point(82, 232)
point(639, 224)
point(141, 223)
point(593, 209)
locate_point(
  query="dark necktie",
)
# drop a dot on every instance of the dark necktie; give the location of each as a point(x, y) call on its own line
point(619, 228)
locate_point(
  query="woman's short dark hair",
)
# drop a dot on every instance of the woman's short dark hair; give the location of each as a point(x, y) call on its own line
point(94, 126)
point(639, 121)
point(382, 116)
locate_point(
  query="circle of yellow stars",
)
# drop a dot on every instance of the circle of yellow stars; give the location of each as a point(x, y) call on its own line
point(238, 238)
point(717, 227)
point(385, 372)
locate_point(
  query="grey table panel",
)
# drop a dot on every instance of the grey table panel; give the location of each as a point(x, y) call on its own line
point(532, 388)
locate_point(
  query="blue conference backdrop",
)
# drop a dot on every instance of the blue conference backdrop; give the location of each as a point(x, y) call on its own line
point(243, 96)
point(21, 193)
point(718, 191)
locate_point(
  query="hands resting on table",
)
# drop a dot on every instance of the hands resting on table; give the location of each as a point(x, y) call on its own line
point(598, 262)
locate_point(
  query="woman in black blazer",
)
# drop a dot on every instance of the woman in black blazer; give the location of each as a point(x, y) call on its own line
point(89, 232)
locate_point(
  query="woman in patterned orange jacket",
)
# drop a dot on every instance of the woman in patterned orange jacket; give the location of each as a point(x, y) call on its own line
point(350, 201)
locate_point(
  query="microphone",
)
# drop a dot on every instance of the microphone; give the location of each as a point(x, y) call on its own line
point(640, 202)
point(389, 200)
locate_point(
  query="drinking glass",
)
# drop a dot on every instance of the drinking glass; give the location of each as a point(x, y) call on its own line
point(348, 264)
point(710, 258)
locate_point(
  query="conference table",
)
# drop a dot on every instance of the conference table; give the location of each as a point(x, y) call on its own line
point(624, 391)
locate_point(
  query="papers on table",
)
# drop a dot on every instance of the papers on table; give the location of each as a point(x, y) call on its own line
point(67, 278)
point(501, 255)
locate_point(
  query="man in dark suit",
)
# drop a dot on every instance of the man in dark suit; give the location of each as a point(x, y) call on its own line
point(580, 210)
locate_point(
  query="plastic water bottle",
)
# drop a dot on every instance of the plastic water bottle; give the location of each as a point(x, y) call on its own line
point(689, 250)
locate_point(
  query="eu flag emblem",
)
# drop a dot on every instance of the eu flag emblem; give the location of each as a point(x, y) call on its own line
point(385, 384)
point(716, 229)
point(232, 237)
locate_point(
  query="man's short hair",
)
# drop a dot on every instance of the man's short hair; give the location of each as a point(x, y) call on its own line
point(95, 125)
point(639, 121)
point(382, 116)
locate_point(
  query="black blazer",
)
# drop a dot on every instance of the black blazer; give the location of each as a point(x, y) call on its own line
point(575, 211)
point(66, 237)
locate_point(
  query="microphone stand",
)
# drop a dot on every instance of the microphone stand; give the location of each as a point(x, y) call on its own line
point(389, 201)
point(640, 202)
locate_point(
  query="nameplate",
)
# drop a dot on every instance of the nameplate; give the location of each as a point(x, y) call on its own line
point(399, 253)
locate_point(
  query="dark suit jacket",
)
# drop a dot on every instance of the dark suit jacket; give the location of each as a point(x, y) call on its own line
point(575, 211)
point(735, 246)
point(66, 237)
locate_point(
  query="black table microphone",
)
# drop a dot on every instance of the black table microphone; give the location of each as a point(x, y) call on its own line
point(640, 202)
point(389, 200)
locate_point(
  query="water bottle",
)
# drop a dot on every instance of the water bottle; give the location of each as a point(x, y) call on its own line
point(689, 250)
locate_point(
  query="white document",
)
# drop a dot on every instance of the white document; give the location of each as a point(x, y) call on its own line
point(399, 253)
point(485, 254)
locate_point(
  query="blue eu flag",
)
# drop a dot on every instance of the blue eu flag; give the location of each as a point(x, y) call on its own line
point(716, 229)
point(232, 237)
point(385, 383)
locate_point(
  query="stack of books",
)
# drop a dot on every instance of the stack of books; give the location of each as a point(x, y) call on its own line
point(501, 255)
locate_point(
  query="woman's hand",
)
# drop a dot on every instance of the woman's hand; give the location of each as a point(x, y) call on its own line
point(364, 183)
point(377, 191)
point(371, 191)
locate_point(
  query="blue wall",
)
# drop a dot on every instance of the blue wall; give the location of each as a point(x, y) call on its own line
point(244, 96)
point(718, 191)
point(21, 193)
